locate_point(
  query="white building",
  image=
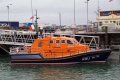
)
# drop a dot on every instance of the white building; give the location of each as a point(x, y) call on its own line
point(109, 18)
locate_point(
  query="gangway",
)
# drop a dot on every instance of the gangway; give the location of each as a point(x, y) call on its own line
point(13, 37)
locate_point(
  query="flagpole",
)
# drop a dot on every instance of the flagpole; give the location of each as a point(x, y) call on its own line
point(74, 12)
point(36, 25)
point(60, 18)
point(112, 9)
point(32, 10)
point(87, 17)
point(98, 13)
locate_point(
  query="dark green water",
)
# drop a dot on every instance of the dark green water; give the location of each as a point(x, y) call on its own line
point(108, 71)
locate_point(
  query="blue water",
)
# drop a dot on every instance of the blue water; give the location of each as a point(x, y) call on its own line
point(108, 71)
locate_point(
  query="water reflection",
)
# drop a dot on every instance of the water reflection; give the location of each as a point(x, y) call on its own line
point(108, 71)
point(75, 72)
point(60, 73)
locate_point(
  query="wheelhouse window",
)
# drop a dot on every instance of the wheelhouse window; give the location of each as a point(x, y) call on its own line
point(69, 42)
point(51, 41)
point(62, 41)
point(40, 44)
point(57, 41)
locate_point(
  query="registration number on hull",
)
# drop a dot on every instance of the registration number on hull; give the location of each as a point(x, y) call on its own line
point(90, 57)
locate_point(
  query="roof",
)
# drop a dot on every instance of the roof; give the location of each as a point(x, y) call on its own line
point(110, 10)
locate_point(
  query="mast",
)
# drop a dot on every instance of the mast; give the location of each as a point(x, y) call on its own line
point(74, 12)
point(36, 25)
point(60, 18)
point(32, 10)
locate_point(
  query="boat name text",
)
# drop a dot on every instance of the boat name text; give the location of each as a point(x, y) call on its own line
point(90, 57)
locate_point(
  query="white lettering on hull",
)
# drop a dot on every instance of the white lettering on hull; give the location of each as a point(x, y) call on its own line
point(90, 57)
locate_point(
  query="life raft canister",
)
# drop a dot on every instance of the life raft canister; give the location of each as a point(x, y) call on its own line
point(17, 50)
point(97, 48)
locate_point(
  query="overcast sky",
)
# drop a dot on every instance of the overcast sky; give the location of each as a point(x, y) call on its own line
point(48, 10)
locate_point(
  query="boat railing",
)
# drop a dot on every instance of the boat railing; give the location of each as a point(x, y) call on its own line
point(62, 53)
point(36, 50)
point(25, 50)
point(17, 50)
point(50, 53)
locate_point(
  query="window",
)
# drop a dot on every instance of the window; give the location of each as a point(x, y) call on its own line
point(69, 42)
point(110, 21)
point(100, 23)
point(114, 21)
point(95, 24)
point(118, 13)
point(106, 21)
point(62, 41)
point(57, 41)
point(106, 13)
point(117, 22)
point(40, 44)
point(51, 41)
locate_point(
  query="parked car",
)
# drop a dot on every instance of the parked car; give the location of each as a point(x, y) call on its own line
point(48, 29)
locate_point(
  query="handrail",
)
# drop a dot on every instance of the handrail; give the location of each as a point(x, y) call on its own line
point(62, 53)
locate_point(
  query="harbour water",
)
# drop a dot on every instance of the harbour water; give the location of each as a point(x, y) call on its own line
point(107, 71)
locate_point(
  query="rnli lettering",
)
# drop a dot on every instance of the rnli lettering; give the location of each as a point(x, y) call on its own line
point(86, 58)
point(89, 57)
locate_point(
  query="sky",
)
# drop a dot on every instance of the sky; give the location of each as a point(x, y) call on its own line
point(48, 10)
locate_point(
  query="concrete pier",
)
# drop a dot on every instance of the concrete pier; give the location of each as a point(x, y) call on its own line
point(114, 56)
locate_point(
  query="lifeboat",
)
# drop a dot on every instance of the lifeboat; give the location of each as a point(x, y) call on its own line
point(57, 50)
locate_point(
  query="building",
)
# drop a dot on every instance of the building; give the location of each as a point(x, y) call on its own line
point(12, 24)
point(110, 19)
